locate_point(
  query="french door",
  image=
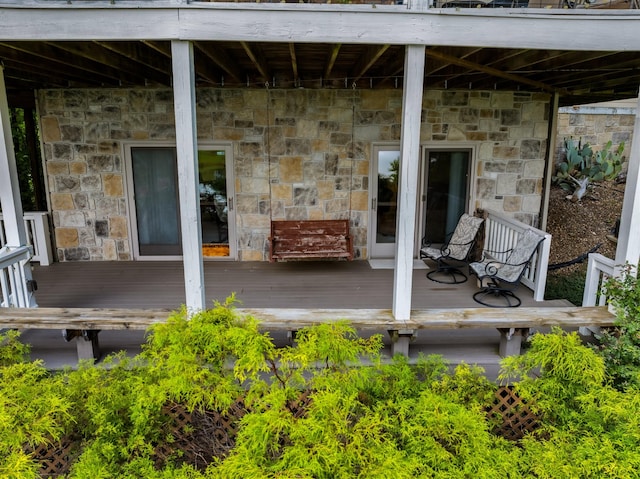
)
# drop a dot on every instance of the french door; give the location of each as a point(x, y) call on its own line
point(156, 211)
point(445, 190)
point(384, 201)
point(444, 195)
point(215, 171)
point(155, 206)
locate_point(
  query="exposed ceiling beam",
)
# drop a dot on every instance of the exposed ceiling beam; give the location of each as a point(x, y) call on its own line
point(125, 66)
point(368, 60)
point(333, 55)
point(50, 58)
point(215, 52)
point(294, 62)
point(55, 73)
point(481, 56)
point(50, 79)
point(495, 72)
point(161, 47)
point(257, 61)
point(431, 69)
point(140, 53)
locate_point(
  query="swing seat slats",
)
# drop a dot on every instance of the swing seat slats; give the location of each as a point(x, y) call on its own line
point(310, 239)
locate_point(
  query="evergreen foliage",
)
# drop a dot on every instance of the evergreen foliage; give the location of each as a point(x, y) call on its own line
point(620, 347)
point(362, 417)
point(23, 162)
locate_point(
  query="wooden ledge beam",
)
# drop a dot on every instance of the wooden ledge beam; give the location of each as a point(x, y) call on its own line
point(293, 318)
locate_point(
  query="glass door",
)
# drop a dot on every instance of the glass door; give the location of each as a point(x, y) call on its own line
point(445, 191)
point(156, 213)
point(384, 201)
point(215, 202)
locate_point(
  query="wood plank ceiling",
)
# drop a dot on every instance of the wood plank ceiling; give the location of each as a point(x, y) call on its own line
point(579, 76)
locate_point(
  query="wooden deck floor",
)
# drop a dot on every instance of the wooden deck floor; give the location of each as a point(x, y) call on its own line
point(328, 284)
point(257, 285)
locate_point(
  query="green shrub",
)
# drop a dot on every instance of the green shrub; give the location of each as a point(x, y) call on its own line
point(360, 419)
point(12, 350)
point(589, 429)
point(566, 285)
point(620, 347)
point(33, 408)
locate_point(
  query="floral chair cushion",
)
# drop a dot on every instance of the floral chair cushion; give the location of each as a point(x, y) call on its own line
point(461, 241)
point(513, 267)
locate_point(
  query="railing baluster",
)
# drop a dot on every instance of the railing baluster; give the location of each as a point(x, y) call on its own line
point(599, 268)
point(37, 229)
point(13, 285)
point(501, 234)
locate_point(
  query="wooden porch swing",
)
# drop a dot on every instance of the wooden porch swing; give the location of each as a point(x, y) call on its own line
point(309, 239)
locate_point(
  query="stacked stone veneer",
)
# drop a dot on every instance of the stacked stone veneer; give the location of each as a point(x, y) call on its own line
point(298, 154)
point(595, 126)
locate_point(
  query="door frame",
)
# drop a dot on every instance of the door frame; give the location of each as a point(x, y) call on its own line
point(130, 197)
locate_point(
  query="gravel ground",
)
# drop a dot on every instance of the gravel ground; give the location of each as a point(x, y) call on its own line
point(578, 227)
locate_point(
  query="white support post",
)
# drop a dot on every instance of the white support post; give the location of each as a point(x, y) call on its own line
point(628, 250)
point(414, 62)
point(9, 188)
point(551, 160)
point(10, 202)
point(187, 152)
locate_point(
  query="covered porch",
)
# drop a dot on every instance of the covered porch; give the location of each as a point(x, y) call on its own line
point(414, 34)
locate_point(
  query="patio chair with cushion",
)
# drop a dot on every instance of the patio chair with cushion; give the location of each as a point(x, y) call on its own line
point(453, 254)
point(501, 277)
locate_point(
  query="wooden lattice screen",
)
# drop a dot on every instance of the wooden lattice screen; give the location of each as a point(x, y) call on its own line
point(200, 436)
point(516, 417)
point(55, 459)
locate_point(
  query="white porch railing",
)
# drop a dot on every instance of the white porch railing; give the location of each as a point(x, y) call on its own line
point(501, 234)
point(14, 287)
point(599, 268)
point(38, 236)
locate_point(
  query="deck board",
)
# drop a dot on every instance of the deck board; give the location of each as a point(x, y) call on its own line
point(305, 284)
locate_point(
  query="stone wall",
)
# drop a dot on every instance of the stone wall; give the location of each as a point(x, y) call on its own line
point(297, 154)
point(596, 125)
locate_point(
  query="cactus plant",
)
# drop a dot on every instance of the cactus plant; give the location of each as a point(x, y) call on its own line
point(581, 166)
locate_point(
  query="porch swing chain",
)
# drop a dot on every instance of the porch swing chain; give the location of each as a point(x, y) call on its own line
point(266, 84)
point(268, 146)
point(353, 156)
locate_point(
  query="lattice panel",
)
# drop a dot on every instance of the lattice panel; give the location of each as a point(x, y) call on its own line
point(201, 436)
point(517, 418)
point(55, 459)
point(298, 407)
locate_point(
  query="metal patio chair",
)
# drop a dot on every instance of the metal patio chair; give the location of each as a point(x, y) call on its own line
point(451, 256)
point(501, 277)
